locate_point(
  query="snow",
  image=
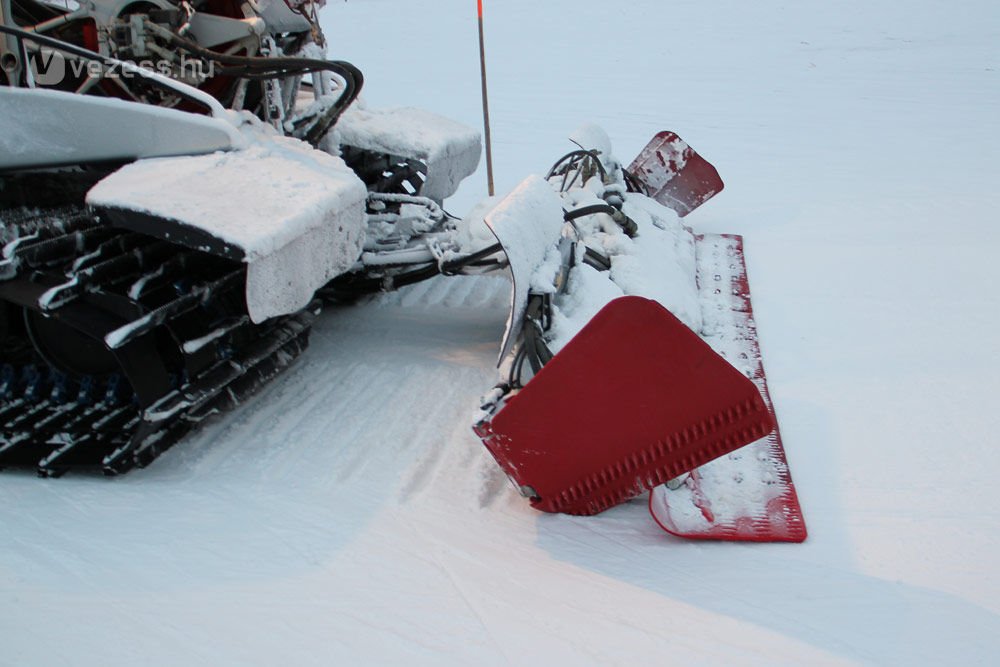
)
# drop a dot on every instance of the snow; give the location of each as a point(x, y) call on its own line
point(450, 149)
point(658, 263)
point(348, 515)
point(527, 222)
point(297, 214)
point(593, 137)
point(749, 482)
point(36, 134)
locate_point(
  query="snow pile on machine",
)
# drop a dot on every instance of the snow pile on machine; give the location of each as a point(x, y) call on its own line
point(241, 198)
point(625, 396)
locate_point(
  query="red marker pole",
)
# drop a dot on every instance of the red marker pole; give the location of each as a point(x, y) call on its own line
point(486, 102)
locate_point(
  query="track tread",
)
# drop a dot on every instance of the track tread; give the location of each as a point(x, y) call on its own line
point(56, 421)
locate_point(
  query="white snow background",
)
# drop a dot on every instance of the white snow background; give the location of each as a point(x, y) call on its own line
point(347, 515)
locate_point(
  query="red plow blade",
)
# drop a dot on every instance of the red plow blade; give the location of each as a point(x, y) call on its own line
point(637, 399)
point(747, 495)
point(634, 400)
point(674, 174)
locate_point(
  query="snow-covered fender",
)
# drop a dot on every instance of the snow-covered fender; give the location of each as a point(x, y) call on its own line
point(449, 150)
point(294, 215)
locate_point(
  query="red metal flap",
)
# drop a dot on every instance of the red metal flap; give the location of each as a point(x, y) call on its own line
point(675, 175)
point(635, 399)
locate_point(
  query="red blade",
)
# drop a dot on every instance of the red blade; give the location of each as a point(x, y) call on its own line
point(635, 399)
point(675, 175)
point(747, 495)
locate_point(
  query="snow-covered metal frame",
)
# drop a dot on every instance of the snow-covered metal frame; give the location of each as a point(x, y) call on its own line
point(27, 42)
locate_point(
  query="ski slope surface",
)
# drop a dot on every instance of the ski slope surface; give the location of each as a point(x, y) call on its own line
point(348, 515)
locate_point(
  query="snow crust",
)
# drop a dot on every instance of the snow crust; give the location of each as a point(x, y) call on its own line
point(592, 137)
point(450, 149)
point(658, 264)
point(296, 213)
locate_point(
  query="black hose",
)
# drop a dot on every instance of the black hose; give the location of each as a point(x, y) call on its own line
point(22, 35)
point(596, 260)
point(623, 221)
point(576, 155)
point(633, 184)
point(260, 68)
point(353, 286)
point(590, 210)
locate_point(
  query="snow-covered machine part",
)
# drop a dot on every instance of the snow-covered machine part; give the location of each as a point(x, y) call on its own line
point(116, 344)
point(674, 174)
point(747, 495)
point(282, 16)
point(186, 280)
point(633, 400)
point(611, 386)
point(213, 31)
point(449, 150)
point(151, 53)
point(527, 223)
point(51, 128)
point(294, 215)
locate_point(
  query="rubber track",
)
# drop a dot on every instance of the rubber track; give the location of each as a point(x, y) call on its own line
point(210, 353)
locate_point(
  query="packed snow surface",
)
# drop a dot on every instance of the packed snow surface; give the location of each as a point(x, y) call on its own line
point(347, 514)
